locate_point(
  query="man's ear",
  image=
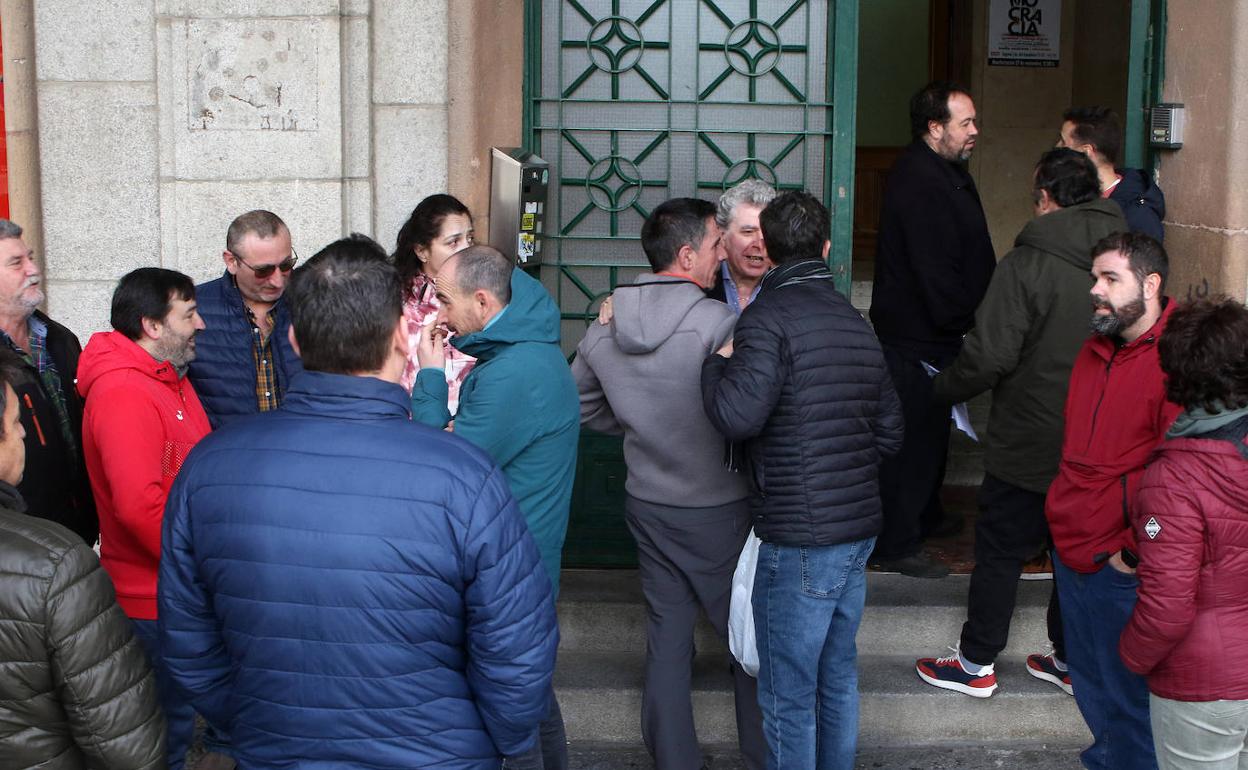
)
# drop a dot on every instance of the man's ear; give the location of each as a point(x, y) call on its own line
point(294, 343)
point(827, 246)
point(1152, 285)
point(231, 263)
point(399, 338)
point(685, 258)
point(152, 328)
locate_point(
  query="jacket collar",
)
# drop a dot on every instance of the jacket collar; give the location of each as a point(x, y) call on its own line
point(345, 396)
point(1106, 348)
point(11, 499)
point(956, 173)
point(795, 270)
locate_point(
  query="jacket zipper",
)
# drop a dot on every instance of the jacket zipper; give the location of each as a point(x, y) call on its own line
point(1126, 517)
point(34, 418)
point(1108, 365)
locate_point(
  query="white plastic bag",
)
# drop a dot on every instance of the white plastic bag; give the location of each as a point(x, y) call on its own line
point(741, 639)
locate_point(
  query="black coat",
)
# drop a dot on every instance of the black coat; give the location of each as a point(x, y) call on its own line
point(55, 484)
point(807, 390)
point(1142, 203)
point(934, 256)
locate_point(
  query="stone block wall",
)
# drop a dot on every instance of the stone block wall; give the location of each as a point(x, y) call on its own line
point(159, 121)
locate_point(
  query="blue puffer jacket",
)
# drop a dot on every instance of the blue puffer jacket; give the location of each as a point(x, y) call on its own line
point(224, 370)
point(343, 588)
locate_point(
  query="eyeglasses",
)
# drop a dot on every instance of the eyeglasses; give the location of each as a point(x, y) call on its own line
point(286, 265)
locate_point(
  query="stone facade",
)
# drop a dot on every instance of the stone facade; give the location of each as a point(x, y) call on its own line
point(159, 121)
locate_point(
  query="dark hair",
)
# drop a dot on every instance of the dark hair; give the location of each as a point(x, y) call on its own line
point(795, 226)
point(147, 293)
point(1099, 127)
point(265, 224)
point(344, 304)
point(932, 103)
point(1069, 176)
point(421, 227)
point(1204, 353)
point(1144, 254)
point(674, 223)
point(10, 372)
point(484, 267)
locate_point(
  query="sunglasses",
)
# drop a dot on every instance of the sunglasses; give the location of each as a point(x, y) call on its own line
point(286, 265)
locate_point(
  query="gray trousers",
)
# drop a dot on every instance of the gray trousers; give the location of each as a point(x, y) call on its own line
point(686, 558)
point(1209, 735)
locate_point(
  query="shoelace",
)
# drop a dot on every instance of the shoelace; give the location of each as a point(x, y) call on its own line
point(956, 657)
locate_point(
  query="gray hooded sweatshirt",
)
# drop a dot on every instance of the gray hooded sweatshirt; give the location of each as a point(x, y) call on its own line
point(641, 376)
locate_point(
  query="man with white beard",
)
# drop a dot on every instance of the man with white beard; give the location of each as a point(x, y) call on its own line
point(55, 485)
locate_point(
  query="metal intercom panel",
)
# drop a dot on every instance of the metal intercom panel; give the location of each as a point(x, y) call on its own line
point(1166, 126)
point(518, 188)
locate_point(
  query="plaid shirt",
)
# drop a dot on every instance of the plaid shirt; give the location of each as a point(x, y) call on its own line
point(39, 358)
point(262, 352)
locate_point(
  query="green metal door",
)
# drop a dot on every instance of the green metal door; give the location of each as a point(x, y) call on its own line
point(633, 102)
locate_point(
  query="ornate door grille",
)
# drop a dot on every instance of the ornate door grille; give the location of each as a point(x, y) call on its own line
point(636, 101)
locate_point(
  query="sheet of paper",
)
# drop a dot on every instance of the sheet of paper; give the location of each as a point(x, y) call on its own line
point(959, 414)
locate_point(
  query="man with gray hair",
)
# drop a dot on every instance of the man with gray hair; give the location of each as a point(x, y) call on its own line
point(518, 403)
point(55, 486)
point(739, 278)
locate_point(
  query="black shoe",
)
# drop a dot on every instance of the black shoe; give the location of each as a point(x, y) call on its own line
point(916, 566)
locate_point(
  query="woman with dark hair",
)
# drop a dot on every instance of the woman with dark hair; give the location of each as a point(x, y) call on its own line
point(1189, 632)
point(438, 227)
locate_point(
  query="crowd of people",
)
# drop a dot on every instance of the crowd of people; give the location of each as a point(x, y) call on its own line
point(331, 498)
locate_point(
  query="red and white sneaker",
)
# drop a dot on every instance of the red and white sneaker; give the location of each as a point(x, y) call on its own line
point(1044, 667)
point(948, 673)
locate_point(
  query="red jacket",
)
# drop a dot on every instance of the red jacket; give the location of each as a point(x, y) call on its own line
point(1116, 413)
point(1189, 632)
point(139, 423)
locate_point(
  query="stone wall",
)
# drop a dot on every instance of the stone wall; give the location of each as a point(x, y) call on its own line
point(159, 121)
point(1206, 208)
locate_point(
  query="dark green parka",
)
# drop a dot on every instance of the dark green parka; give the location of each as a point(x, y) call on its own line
point(75, 688)
point(1028, 329)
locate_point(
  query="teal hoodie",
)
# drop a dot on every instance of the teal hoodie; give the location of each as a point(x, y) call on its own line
point(519, 403)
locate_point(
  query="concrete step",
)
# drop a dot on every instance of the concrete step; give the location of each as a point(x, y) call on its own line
point(603, 611)
point(600, 694)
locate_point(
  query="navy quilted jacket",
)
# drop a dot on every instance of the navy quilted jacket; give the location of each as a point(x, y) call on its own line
point(224, 369)
point(343, 588)
point(806, 389)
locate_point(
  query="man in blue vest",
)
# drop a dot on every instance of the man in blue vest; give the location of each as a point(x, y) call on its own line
point(245, 362)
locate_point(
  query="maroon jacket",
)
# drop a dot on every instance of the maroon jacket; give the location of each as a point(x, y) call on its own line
point(1189, 633)
point(1116, 414)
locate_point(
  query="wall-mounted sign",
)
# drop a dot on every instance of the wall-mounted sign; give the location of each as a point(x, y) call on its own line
point(1024, 33)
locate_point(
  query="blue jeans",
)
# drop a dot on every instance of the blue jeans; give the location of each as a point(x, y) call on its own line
point(179, 716)
point(1112, 700)
point(807, 604)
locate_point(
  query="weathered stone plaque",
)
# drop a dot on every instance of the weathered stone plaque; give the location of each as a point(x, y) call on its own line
point(252, 74)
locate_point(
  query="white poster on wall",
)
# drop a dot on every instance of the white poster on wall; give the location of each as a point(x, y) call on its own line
point(1024, 33)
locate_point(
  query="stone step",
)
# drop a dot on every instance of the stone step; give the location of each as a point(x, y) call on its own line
point(600, 695)
point(603, 611)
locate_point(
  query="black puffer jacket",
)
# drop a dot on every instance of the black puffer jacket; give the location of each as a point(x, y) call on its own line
point(807, 389)
point(75, 688)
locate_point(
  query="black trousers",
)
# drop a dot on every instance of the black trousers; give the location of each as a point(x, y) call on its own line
point(1010, 530)
point(910, 481)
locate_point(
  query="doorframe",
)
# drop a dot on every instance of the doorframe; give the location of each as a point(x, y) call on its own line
point(1145, 75)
